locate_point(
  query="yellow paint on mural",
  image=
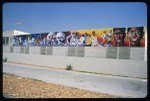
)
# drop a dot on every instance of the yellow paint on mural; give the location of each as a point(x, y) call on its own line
point(98, 32)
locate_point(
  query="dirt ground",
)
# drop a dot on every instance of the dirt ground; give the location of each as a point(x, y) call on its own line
point(21, 87)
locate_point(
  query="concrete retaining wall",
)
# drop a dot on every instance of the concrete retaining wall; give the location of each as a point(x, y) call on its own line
point(96, 52)
point(17, 50)
point(6, 49)
point(59, 51)
point(107, 66)
point(134, 53)
point(34, 50)
point(137, 53)
point(123, 61)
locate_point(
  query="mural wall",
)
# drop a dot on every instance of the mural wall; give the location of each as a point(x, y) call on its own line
point(108, 37)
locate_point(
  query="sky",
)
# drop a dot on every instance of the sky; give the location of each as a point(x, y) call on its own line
point(52, 17)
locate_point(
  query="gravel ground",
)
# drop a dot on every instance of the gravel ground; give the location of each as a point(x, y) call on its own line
point(21, 87)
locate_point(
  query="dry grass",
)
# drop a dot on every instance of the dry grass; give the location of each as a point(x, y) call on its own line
point(21, 87)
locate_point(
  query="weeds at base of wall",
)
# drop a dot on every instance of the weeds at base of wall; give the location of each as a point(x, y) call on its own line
point(36, 79)
point(69, 67)
point(5, 59)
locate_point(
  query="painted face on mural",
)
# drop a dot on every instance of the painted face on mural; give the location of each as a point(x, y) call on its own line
point(118, 37)
point(134, 36)
point(60, 36)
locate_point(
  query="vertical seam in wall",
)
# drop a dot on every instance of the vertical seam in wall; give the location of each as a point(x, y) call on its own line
point(117, 57)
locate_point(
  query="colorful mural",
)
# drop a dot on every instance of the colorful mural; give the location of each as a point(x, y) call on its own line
point(108, 37)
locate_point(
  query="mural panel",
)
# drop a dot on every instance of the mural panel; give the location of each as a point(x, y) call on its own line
point(108, 37)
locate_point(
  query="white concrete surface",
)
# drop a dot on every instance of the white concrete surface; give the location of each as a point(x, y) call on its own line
point(137, 53)
point(134, 68)
point(17, 49)
point(34, 50)
point(60, 51)
point(6, 49)
point(97, 52)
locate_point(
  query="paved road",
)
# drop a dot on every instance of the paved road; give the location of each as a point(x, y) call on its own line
point(120, 86)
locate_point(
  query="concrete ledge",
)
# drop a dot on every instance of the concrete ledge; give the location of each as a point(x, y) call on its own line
point(49, 50)
point(71, 51)
point(60, 51)
point(42, 50)
point(11, 49)
point(130, 53)
point(111, 52)
point(79, 51)
point(95, 52)
point(22, 49)
point(34, 50)
point(26, 50)
point(17, 49)
point(123, 52)
point(6, 49)
point(122, 67)
point(137, 53)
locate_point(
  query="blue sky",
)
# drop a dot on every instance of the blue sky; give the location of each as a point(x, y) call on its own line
point(51, 17)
